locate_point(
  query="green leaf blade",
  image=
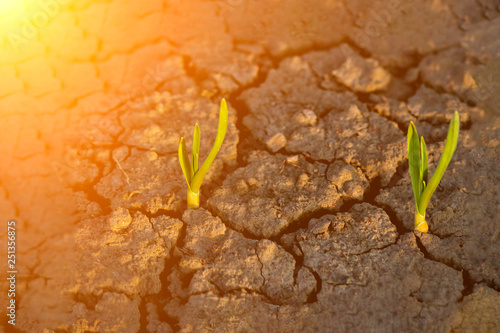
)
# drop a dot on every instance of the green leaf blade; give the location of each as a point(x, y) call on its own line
point(449, 149)
point(414, 162)
point(196, 147)
point(425, 161)
point(185, 163)
point(221, 133)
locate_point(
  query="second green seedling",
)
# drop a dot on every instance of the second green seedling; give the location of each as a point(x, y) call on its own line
point(418, 162)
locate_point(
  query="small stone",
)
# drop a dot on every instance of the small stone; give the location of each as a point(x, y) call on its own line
point(321, 227)
point(303, 180)
point(307, 117)
point(292, 159)
point(277, 142)
point(152, 156)
point(120, 219)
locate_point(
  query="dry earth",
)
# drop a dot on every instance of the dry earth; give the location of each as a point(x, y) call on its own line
point(306, 217)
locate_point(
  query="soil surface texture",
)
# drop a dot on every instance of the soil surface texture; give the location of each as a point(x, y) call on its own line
point(306, 215)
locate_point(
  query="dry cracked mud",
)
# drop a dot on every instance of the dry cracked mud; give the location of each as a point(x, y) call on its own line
point(306, 217)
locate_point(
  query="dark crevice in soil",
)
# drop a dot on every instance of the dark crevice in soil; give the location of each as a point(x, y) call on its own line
point(372, 193)
point(417, 297)
point(261, 271)
point(173, 322)
point(316, 47)
point(468, 281)
point(93, 196)
point(89, 300)
point(207, 190)
point(313, 296)
point(186, 280)
point(302, 222)
point(189, 68)
point(461, 99)
point(171, 262)
point(369, 196)
point(402, 72)
point(245, 233)
point(347, 205)
point(160, 302)
point(361, 51)
point(144, 315)
point(403, 127)
point(164, 295)
point(422, 249)
point(375, 248)
point(158, 213)
point(363, 98)
point(401, 170)
point(429, 256)
point(247, 142)
point(299, 263)
point(468, 285)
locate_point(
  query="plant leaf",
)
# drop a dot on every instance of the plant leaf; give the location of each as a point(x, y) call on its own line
point(449, 149)
point(414, 162)
point(196, 147)
point(185, 163)
point(425, 161)
point(221, 133)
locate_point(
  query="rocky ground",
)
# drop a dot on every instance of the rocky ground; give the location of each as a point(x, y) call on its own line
point(306, 218)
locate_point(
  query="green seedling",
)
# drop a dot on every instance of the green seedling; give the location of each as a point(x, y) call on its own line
point(194, 175)
point(417, 159)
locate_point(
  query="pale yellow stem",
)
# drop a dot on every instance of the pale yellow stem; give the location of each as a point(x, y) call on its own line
point(420, 223)
point(193, 200)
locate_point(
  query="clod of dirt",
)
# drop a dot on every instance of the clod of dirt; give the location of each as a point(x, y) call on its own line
point(481, 41)
point(104, 317)
point(128, 262)
point(363, 228)
point(212, 56)
point(367, 140)
point(359, 74)
point(437, 109)
point(238, 312)
point(393, 109)
point(479, 312)
point(468, 71)
point(395, 32)
point(204, 236)
point(145, 180)
point(430, 111)
point(342, 127)
point(223, 261)
point(303, 27)
point(276, 142)
point(269, 194)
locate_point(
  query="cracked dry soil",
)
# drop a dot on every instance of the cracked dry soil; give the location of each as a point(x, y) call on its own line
point(306, 215)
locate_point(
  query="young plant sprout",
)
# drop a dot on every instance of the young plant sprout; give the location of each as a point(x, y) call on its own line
point(194, 175)
point(417, 159)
